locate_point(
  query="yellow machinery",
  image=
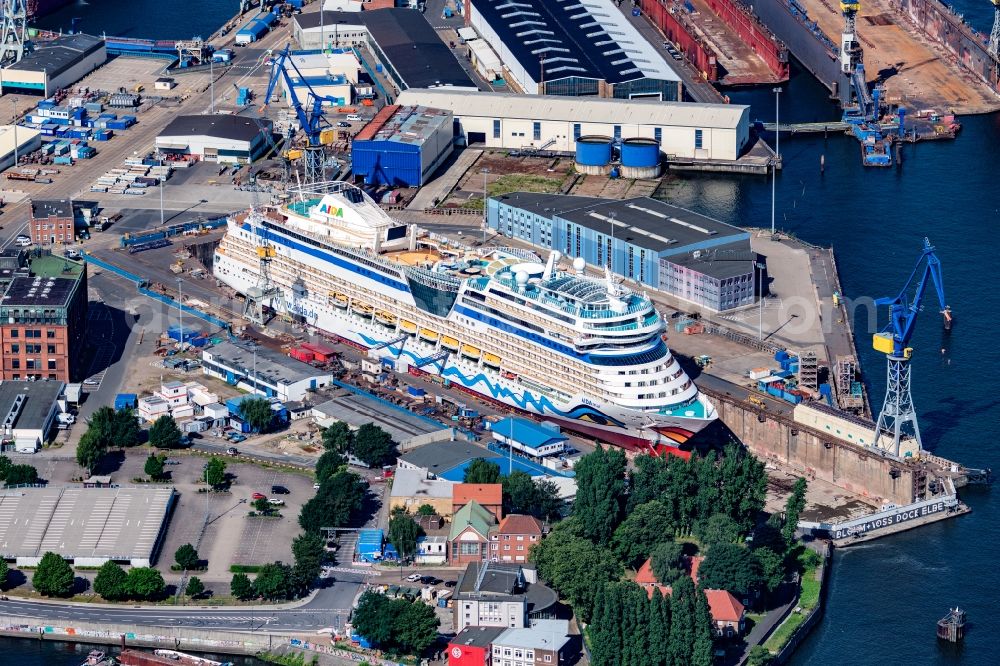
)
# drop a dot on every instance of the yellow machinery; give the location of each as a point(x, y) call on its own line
point(754, 400)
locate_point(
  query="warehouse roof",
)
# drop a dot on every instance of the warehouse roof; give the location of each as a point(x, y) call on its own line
point(414, 483)
point(34, 408)
point(405, 124)
point(439, 457)
point(39, 291)
point(328, 20)
point(99, 523)
point(573, 38)
point(414, 49)
point(51, 207)
point(25, 135)
point(642, 221)
point(269, 365)
point(220, 126)
point(528, 432)
point(580, 109)
point(58, 55)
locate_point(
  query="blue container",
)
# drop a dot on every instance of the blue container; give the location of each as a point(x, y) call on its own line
point(593, 151)
point(126, 401)
point(780, 355)
point(46, 104)
point(378, 67)
point(640, 152)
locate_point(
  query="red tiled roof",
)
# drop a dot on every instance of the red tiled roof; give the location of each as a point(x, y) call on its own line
point(724, 606)
point(486, 494)
point(516, 523)
point(645, 574)
point(693, 564)
point(376, 123)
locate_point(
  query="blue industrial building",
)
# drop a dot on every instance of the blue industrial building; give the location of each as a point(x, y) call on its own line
point(402, 146)
point(652, 243)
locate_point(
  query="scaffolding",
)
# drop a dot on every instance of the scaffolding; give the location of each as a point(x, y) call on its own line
point(809, 370)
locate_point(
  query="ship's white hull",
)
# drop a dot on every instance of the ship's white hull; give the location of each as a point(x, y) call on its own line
point(579, 412)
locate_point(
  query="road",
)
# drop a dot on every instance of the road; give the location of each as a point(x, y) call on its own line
point(322, 610)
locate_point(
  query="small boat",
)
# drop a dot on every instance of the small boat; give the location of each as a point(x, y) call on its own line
point(471, 352)
point(383, 317)
point(449, 343)
point(429, 335)
point(338, 300)
point(407, 326)
point(507, 374)
point(951, 627)
point(491, 360)
point(96, 658)
point(362, 309)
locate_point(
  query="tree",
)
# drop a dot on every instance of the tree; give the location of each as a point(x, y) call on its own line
point(215, 472)
point(729, 567)
point(742, 483)
point(701, 651)
point(481, 470)
point(21, 475)
point(771, 566)
point(90, 450)
point(194, 587)
point(793, 509)
point(154, 466)
point(124, 429)
point(717, 528)
point(241, 587)
point(53, 577)
point(4, 573)
point(186, 557)
point(334, 503)
point(373, 446)
point(308, 552)
point(262, 506)
point(5, 465)
point(337, 437)
point(600, 493)
point(403, 534)
point(257, 413)
point(144, 583)
point(371, 618)
point(328, 464)
point(522, 495)
point(637, 536)
point(164, 433)
point(574, 566)
point(760, 656)
point(667, 562)
point(274, 581)
point(111, 582)
point(415, 626)
point(426, 510)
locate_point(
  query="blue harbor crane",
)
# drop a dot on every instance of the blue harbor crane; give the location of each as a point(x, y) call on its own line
point(894, 342)
point(312, 122)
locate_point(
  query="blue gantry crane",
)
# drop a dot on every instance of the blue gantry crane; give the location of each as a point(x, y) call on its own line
point(311, 122)
point(894, 342)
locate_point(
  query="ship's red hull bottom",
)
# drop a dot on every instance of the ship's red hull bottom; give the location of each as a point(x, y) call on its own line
point(630, 443)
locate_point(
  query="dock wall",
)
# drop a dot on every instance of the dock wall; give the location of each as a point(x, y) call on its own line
point(818, 455)
point(816, 51)
point(941, 24)
point(695, 51)
point(754, 34)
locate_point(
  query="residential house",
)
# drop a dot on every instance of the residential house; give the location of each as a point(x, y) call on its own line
point(487, 495)
point(490, 594)
point(512, 540)
point(543, 642)
point(432, 550)
point(469, 536)
point(412, 488)
point(728, 614)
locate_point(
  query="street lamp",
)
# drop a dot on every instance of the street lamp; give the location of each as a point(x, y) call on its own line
point(14, 102)
point(159, 155)
point(180, 313)
point(485, 173)
point(777, 154)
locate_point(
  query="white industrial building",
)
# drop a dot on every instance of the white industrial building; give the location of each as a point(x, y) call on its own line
point(504, 120)
point(219, 138)
point(58, 64)
point(266, 372)
point(312, 73)
point(486, 62)
point(28, 411)
point(27, 140)
point(329, 29)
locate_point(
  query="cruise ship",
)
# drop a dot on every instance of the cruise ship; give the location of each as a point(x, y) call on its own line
point(501, 323)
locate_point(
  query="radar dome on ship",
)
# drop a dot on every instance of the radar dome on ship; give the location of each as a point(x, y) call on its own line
point(521, 278)
point(579, 264)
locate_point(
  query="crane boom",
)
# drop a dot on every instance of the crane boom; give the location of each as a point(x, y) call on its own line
point(894, 341)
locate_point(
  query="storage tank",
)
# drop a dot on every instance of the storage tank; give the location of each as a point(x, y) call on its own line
point(640, 158)
point(593, 155)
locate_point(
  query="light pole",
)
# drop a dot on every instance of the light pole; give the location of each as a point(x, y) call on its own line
point(160, 186)
point(760, 300)
point(211, 77)
point(14, 102)
point(777, 155)
point(485, 173)
point(180, 312)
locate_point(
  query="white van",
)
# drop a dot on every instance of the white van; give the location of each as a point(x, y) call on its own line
point(354, 117)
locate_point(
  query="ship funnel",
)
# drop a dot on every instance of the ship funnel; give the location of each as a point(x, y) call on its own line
point(550, 265)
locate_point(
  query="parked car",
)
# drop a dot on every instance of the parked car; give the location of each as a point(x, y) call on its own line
point(450, 583)
point(413, 578)
point(237, 438)
point(279, 490)
point(22, 241)
point(276, 501)
point(258, 496)
point(316, 486)
point(430, 580)
point(343, 124)
point(233, 451)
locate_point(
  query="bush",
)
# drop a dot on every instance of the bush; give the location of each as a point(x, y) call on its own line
point(187, 557)
point(164, 433)
point(21, 474)
point(241, 587)
point(144, 583)
point(194, 587)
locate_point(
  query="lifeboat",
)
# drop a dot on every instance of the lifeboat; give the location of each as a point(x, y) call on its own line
point(471, 352)
point(338, 300)
point(507, 374)
point(449, 343)
point(362, 309)
point(407, 326)
point(429, 335)
point(386, 318)
point(491, 360)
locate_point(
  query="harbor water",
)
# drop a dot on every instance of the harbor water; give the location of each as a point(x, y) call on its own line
point(885, 597)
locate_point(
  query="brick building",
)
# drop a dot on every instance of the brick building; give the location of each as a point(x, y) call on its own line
point(55, 220)
point(513, 538)
point(468, 539)
point(43, 319)
point(728, 614)
point(487, 495)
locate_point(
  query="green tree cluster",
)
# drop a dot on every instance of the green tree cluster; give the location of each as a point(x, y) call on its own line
point(215, 472)
point(403, 535)
point(667, 561)
point(21, 475)
point(373, 446)
point(140, 583)
point(53, 577)
point(164, 433)
point(274, 582)
point(107, 428)
point(337, 437)
point(328, 464)
point(646, 527)
point(257, 412)
point(194, 587)
point(337, 499)
point(521, 494)
point(4, 573)
point(154, 466)
point(187, 557)
point(794, 505)
point(732, 567)
point(308, 552)
point(481, 470)
point(395, 625)
point(600, 494)
point(242, 587)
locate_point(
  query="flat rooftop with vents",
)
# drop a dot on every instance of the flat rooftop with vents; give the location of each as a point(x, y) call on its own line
point(88, 526)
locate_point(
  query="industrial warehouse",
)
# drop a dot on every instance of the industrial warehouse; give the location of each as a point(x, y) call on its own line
point(402, 146)
point(59, 64)
point(687, 255)
point(88, 526)
point(218, 138)
point(502, 120)
point(574, 48)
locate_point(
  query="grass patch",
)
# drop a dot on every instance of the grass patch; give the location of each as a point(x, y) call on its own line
point(517, 182)
point(809, 592)
point(784, 632)
point(245, 568)
point(294, 659)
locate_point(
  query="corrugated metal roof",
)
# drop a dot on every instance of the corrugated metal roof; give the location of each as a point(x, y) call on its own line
point(578, 109)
